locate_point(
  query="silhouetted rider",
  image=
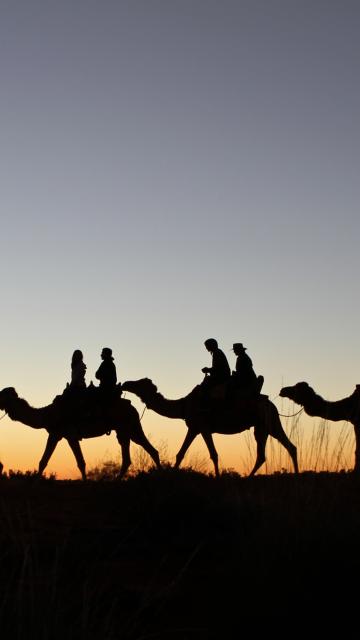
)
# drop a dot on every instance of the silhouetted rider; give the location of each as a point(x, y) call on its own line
point(219, 372)
point(244, 376)
point(72, 402)
point(106, 373)
point(78, 370)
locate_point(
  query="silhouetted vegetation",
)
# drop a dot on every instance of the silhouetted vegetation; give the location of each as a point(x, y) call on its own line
point(178, 554)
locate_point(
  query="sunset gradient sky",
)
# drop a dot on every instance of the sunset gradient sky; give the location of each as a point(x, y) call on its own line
point(173, 170)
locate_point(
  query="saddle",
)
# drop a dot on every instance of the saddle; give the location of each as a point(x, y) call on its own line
point(217, 397)
point(89, 402)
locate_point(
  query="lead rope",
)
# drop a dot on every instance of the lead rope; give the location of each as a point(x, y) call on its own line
point(144, 409)
point(292, 415)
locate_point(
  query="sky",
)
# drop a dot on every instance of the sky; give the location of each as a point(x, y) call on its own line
point(172, 171)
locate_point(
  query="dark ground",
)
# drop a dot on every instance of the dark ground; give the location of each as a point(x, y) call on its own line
point(177, 555)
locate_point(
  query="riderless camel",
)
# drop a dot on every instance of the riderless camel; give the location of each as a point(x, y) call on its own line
point(347, 409)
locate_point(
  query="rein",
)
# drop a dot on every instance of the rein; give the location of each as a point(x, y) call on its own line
point(144, 409)
point(292, 414)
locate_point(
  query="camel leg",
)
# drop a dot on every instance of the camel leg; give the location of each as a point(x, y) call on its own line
point(189, 438)
point(125, 453)
point(213, 453)
point(290, 448)
point(76, 449)
point(141, 439)
point(279, 434)
point(261, 439)
point(49, 450)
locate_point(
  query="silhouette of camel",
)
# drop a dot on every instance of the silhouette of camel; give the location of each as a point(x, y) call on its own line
point(120, 416)
point(220, 417)
point(347, 409)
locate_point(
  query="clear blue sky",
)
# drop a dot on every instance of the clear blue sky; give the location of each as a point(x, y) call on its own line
point(173, 171)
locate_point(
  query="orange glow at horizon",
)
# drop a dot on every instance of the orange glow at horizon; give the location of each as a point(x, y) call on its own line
point(322, 446)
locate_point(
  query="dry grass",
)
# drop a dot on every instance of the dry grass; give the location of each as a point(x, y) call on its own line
point(322, 446)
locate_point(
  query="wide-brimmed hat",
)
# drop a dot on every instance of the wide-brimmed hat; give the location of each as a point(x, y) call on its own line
point(238, 345)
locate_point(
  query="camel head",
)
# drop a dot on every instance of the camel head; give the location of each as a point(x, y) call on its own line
point(299, 392)
point(7, 396)
point(145, 389)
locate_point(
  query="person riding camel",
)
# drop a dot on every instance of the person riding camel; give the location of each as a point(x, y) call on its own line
point(78, 370)
point(73, 399)
point(219, 373)
point(106, 373)
point(244, 376)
